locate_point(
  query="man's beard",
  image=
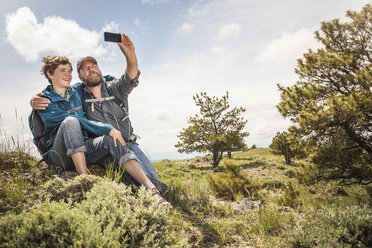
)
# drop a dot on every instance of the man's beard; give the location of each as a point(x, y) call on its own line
point(94, 79)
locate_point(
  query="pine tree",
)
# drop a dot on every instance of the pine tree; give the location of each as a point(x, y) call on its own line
point(288, 144)
point(218, 129)
point(332, 101)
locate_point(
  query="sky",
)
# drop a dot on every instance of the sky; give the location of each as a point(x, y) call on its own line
point(244, 47)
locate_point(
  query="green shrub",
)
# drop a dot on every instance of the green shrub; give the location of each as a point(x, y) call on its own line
point(16, 160)
point(339, 190)
point(348, 227)
point(369, 192)
point(19, 179)
point(309, 175)
point(272, 184)
point(52, 224)
point(269, 222)
point(232, 184)
point(75, 189)
point(189, 194)
point(12, 194)
point(96, 213)
point(290, 197)
point(127, 219)
point(290, 173)
point(358, 194)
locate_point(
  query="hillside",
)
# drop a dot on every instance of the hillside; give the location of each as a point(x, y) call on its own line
point(251, 200)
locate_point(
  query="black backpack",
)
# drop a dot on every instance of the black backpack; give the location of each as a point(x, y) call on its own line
point(37, 128)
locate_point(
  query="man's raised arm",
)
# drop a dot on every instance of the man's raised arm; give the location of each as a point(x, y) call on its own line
point(39, 102)
point(127, 47)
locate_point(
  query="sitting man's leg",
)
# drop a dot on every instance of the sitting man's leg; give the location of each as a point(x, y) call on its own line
point(98, 152)
point(148, 168)
point(69, 147)
point(132, 151)
point(127, 160)
point(133, 168)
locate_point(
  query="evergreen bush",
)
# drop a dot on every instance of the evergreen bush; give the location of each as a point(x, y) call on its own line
point(232, 183)
point(269, 222)
point(189, 195)
point(125, 218)
point(51, 224)
point(94, 213)
point(73, 190)
point(349, 227)
point(272, 184)
point(290, 173)
point(290, 197)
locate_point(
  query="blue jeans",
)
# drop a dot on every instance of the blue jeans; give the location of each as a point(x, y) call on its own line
point(121, 154)
point(69, 139)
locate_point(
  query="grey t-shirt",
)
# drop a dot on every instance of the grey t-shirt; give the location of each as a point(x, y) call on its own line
point(106, 110)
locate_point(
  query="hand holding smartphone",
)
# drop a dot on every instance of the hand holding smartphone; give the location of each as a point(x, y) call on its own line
point(112, 37)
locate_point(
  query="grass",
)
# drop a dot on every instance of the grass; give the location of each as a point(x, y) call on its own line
point(202, 215)
point(285, 201)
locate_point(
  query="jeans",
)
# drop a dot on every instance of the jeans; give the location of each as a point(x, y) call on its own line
point(69, 139)
point(121, 154)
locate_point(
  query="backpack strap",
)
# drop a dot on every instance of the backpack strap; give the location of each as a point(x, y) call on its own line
point(119, 102)
point(103, 99)
point(74, 109)
point(86, 98)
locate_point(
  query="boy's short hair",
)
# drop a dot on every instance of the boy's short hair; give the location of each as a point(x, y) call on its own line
point(51, 63)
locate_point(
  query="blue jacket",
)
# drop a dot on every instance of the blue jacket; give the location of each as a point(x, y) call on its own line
point(59, 109)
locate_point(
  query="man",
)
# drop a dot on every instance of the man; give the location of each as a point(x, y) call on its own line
point(99, 105)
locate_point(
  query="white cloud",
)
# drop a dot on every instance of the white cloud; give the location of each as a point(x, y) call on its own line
point(111, 27)
point(162, 115)
point(138, 22)
point(152, 2)
point(217, 49)
point(229, 31)
point(186, 28)
point(289, 47)
point(54, 35)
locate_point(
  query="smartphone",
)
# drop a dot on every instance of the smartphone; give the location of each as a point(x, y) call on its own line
point(112, 37)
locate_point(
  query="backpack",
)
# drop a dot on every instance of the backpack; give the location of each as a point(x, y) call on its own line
point(37, 128)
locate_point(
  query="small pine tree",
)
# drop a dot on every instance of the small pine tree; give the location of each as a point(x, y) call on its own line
point(288, 144)
point(218, 129)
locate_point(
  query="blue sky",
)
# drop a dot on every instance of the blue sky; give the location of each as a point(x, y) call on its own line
point(183, 48)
